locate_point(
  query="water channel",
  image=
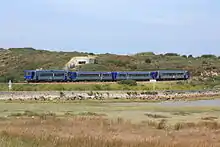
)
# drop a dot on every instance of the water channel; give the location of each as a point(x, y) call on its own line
point(198, 103)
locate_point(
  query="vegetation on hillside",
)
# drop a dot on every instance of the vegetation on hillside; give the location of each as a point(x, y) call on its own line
point(14, 61)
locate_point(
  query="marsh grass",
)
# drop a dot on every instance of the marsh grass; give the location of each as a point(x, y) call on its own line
point(155, 115)
point(209, 118)
point(32, 114)
point(100, 132)
point(45, 115)
point(25, 113)
point(90, 114)
point(84, 141)
point(214, 125)
point(140, 112)
point(161, 124)
point(181, 113)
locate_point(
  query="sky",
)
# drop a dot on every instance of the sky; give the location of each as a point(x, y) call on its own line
point(112, 26)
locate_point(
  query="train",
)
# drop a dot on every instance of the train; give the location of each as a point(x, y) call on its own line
point(96, 76)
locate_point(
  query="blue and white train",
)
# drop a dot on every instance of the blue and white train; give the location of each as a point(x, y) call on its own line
point(75, 76)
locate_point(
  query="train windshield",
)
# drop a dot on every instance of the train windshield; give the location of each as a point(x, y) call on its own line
point(30, 74)
point(27, 73)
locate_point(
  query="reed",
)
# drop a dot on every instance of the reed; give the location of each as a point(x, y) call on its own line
point(89, 131)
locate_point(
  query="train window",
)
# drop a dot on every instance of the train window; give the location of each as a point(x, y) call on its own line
point(172, 74)
point(46, 74)
point(28, 73)
point(122, 75)
point(106, 75)
point(90, 75)
point(72, 74)
point(139, 75)
point(58, 74)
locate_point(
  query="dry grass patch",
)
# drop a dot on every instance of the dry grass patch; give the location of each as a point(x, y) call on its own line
point(181, 113)
point(214, 125)
point(209, 118)
point(89, 131)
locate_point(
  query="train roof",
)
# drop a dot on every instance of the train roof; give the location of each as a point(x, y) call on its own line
point(138, 72)
point(123, 72)
point(170, 71)
point(28, 70)
point(49, 70)
point(88, 72)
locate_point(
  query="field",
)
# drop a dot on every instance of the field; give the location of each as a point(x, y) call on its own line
point(147, 86)
point(87, 124)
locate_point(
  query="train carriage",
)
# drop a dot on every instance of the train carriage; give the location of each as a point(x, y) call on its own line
point(64, 76)
point(121, 76)
point(60, 76)
point(30, 75)
point(139, 76)
point(46, 76)
point(88, 76)
point(107, 76)
point(172, 75)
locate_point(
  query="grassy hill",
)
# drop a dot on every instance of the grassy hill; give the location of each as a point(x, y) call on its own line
point(14, 61)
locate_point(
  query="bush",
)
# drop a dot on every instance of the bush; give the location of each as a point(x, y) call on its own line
point(147, 60)
point(208, 56)
point(172, 54)
point(128, 82)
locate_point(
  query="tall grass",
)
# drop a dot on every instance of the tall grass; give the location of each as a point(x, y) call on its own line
point(89, 131)
point(88, 141)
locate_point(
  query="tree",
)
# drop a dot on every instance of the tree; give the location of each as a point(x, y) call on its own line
point(190, 56)
point(171, 54)
point(208, 56)
point(147, 60)
point(145, 54)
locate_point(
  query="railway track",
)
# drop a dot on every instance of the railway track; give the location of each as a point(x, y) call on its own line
point(142, 82)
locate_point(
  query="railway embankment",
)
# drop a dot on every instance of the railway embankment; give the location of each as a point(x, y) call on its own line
point(85, 95)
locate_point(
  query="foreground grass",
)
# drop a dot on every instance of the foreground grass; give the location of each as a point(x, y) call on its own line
point(95, 131)
point(87, 124)
point(90, 87)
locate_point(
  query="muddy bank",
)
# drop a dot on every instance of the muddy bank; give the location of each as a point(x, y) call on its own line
point(76, 95)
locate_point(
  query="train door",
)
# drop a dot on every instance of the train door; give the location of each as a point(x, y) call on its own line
point(73, 76)
point(187, 75)
point(114, 76)
point(32, 75)
point(154, 75)
point(65, 77)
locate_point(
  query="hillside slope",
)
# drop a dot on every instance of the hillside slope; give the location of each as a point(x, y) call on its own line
point(14, 61)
